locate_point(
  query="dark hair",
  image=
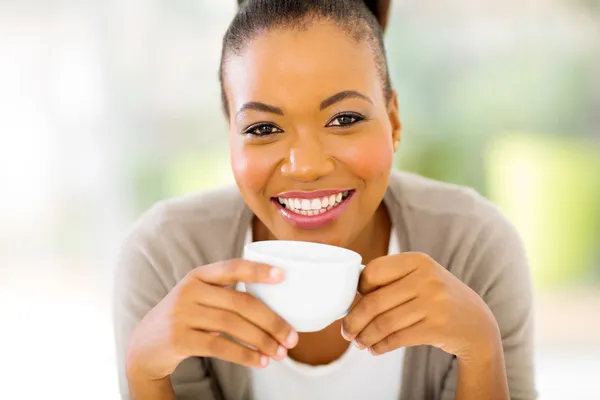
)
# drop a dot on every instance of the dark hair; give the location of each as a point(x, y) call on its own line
point(362, 20)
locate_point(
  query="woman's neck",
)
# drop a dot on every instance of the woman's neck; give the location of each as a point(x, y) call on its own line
point(373, 240)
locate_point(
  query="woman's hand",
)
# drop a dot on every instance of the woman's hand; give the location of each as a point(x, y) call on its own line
point(409, 300)
point(188, 321)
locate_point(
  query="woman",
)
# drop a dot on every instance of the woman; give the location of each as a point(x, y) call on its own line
point(443, 308)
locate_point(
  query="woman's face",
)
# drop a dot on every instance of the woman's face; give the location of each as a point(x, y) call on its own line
point(311, 134)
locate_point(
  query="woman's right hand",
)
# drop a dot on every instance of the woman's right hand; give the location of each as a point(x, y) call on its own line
point(188, 322)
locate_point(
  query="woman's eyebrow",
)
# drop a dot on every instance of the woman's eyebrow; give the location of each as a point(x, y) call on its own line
point(258, 106)
point(346, 94)
point(331, 100)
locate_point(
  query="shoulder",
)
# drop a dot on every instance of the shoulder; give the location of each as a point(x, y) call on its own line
point(190, 214)
point(182, 233)
point(452, 223)
point(422, 195)
point(440, 205)
point(218, 204)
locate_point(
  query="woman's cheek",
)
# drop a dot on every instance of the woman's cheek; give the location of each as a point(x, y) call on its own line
point(251, 168)
point(369, 157)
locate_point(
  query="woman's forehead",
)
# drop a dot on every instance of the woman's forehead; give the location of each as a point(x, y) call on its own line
point(301, 66)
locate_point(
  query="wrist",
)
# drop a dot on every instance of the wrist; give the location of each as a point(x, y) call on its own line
point(138, 361)
point(143, 386)
point(484, 359)
point(135, 369)
point(138, 371)
point(486, 348)
point(481, 369)
point(482, 378)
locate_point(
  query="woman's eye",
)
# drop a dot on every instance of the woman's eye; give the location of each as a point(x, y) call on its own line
point(262, 130)
point(345, 120)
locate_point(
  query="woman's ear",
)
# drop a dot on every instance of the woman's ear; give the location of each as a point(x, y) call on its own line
point(394, 116)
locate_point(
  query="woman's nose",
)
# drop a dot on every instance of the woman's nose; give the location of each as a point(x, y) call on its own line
point(307, 163)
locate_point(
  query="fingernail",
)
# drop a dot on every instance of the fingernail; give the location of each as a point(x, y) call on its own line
point(275, 274)
point(358, 345)
point(344, 334)
point(370, 349)
point(292, 339)
point(281, 353)
point(264, 360)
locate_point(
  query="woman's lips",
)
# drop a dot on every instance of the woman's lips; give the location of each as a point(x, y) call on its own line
point(314, 221)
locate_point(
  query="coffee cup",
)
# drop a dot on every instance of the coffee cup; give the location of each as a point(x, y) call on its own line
point(319, 286)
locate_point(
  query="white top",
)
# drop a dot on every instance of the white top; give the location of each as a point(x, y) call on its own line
point(355, 375)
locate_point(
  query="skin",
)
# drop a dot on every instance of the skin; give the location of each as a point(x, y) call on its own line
point(403, 300)
point(307, 154)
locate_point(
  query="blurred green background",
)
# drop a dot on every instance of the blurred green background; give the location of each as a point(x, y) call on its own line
point(108, 107)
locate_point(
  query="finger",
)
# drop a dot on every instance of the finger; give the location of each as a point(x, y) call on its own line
point(384, 270)
point(383, 325)
point(378, 302)
point(238, 270)
point(252, 309)
point(217, 320)
point(201, 344)
point(418, 334)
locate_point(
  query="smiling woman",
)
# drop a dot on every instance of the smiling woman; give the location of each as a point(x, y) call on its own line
point(337, 133)
point(443, 306)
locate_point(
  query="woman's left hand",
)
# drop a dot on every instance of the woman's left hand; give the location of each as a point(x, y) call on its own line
point(410, 300)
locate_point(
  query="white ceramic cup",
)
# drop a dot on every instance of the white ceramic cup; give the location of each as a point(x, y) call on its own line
point(319, 286)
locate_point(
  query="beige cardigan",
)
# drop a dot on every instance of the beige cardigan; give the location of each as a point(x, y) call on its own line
point(454, 225)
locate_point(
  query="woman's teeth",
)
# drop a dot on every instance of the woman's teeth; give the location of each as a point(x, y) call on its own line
point(313, 206)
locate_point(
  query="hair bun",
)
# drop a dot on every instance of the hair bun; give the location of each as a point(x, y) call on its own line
point(381, 10)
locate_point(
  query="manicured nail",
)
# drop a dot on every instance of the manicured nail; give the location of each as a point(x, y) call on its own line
point(275, 274)
point(292, 339)
point(358, 345)
point(344, 334)
point(281, 353)
point(370, 349)
point(264, 360)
